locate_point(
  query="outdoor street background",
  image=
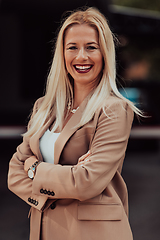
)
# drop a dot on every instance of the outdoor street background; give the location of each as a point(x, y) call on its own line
point(27, 32)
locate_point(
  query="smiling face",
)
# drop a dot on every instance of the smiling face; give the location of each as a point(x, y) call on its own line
point(83, 57)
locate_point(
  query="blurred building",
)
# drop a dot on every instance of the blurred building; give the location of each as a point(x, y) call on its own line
point(138, 59)
point(27, 29)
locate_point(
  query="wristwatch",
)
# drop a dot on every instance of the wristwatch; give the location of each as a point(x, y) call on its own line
point(32, 169)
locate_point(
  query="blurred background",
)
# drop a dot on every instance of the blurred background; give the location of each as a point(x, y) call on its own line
point(27, 33)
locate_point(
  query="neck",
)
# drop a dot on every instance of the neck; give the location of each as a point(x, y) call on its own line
point(80, 93)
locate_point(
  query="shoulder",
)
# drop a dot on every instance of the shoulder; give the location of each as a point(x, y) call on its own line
point(36, 107)
point(115, 107)
point(38, 103)
point(113, 101)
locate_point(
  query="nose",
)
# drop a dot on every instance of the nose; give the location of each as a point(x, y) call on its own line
point(82, 54)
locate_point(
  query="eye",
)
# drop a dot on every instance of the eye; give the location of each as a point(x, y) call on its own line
point(72, 48)
point(91, 47)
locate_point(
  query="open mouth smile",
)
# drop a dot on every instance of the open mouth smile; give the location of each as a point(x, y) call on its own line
point(83, 68)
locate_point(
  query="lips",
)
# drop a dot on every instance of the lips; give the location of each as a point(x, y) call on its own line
point(83, 68)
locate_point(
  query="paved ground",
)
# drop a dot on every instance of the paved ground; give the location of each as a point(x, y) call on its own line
point(141, 172)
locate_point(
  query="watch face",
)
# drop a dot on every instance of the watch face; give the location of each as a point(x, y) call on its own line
point(30, 173)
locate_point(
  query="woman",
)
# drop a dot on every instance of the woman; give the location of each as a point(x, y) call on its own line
point(82, 125)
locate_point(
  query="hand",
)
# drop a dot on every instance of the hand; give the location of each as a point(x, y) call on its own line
point(29, 162)
point(84, 158)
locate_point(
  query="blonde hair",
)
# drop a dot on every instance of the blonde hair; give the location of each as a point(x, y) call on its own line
point(59, 89)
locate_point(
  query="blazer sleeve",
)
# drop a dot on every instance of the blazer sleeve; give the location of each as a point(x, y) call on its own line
point(107, 152)
point(18, 181)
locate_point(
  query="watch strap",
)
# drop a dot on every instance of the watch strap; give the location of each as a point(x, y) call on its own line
point(33, 168)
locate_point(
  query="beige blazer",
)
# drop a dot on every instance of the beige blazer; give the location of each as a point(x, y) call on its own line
point(73, 202)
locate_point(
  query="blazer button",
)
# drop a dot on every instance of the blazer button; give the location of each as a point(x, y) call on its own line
point(29, 199)
point(52, 193)
point(36, 203)
point(45, 191)
point(53, 205)
point(41, 190)
point(49, 193)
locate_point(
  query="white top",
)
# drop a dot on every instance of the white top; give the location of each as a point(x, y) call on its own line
point(46, 145)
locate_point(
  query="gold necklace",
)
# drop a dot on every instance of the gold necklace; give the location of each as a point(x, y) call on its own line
point(72, 110)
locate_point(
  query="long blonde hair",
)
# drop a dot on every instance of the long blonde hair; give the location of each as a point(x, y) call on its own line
point(59, 89)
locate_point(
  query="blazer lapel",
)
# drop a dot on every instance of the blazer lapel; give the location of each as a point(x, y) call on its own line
point(66, 133)
point(68, 130)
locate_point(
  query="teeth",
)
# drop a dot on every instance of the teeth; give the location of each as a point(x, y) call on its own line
point(83, 67)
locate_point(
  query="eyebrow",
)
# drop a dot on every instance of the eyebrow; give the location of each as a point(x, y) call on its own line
point(92, 43)
point(86, 44)
point(70, 44)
